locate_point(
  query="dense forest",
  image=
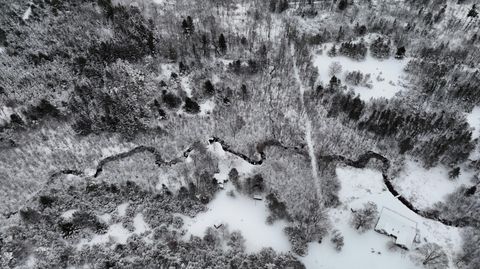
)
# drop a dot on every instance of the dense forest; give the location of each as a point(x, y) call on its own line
point(108, 101)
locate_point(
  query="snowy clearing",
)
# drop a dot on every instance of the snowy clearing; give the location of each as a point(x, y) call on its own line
point(206, 108)
point(68, 214)
point(417, 183)
point(240, 212)
point(122, 209)
point(117, 233)
point(370, 249)
point(244, 214)
point(387, 76)
point(473, 118)
point(27, 13)
point(227, 161)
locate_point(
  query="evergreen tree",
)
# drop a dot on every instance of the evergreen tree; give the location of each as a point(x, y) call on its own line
point(191, 106)
point(473, 11)
point(342, 5)
point(400, 54)
point(222, 44)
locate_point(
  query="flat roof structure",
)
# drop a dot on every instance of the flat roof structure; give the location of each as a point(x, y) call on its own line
point(396, 225)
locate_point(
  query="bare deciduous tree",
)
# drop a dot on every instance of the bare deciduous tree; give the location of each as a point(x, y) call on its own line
point(432, 256)
point(334, 69)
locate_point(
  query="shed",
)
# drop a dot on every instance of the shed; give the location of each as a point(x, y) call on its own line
point(403, 229)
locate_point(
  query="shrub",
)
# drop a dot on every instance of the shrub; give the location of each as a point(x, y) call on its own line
point(208, 88)
point(356, 51)
point(380, 48)
point(364, 219)
point(337, 240)
point(191, 106)
point(354, 78)
point(278, 210)
point(171, 100)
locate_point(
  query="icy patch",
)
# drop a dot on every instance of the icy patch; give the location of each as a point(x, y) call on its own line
point(386, 75)
point(370, 250)
point(122, 209)
point(68, 214)
point(473, 118)
point(424, 187)
point(244, 214)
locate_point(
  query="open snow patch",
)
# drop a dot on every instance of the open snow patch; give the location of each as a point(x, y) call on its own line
point(473, 118)
point(244, 214)
point(387, 75)
point(27, 13)
point(68, 214)
point(117, 233)
point(370, 249)
point(206, 107)
point(122, 209)
point(424, 187)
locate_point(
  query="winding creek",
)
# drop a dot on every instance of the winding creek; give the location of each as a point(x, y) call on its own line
point(261, 147)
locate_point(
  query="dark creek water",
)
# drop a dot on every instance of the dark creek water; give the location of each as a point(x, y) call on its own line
point(360, 162)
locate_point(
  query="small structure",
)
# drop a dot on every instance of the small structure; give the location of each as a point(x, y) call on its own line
point(403, 229)
point(258, 197)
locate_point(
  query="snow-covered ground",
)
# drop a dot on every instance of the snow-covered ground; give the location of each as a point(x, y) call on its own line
point(387, 76)
point(240, 212)
point(117, 233)
point(424, 187)
point(473, 118)
point(206, 107)
point(68, 214)
point(243, 214)
point(122, 209)
point(370, 249)
point(27, 13)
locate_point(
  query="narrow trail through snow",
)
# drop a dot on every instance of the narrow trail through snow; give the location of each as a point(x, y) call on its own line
point(308, 126)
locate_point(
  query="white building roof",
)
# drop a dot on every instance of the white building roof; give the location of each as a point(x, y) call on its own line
point(398, 226)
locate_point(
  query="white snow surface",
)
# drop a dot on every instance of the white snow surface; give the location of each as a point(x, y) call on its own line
point(122, 209)
point(369, 250)
point(117, 233)
point(403, 229)
point(240, 212)
point(206, 107)
point(227, 161)
point(68, 214)
point(424, 187)
point(473, 118)
point(244, 214)
point(390, 70)
point(27, 13)
point(105, 217)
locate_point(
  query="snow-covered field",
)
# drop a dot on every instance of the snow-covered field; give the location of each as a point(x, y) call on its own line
point(117, 233)
point(424, 187)
point(370, 249)
point(240, 212)
point(387, 76)
point(473, 118)
point(359, 186)
point(244, 214)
